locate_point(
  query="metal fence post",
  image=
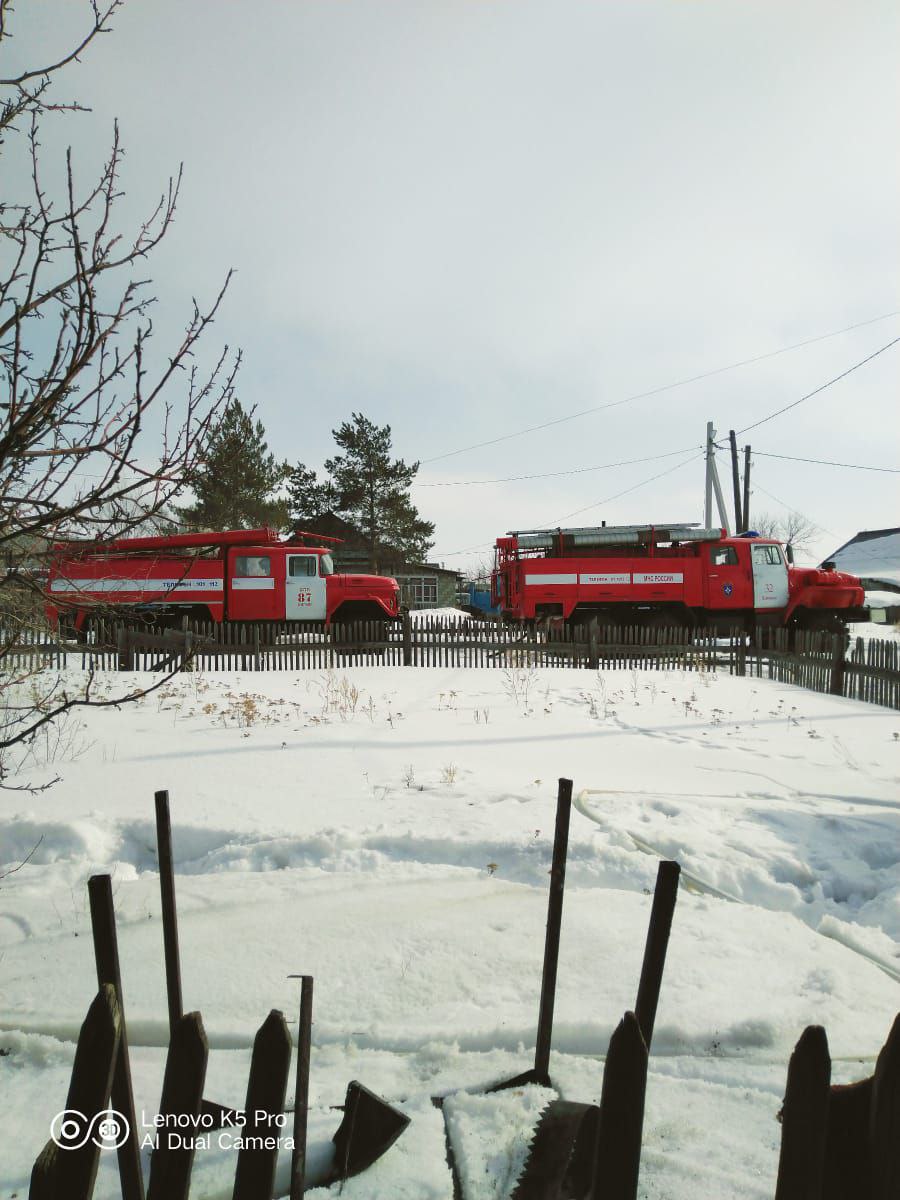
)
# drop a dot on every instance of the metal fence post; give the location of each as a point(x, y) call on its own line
point(169, 913)
point(554, 923)
point(301, 1095)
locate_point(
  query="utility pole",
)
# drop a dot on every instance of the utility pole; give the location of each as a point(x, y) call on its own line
point(712, 483)
point(739, 526)
point(746, 522)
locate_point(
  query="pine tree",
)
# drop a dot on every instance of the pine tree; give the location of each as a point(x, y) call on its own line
point(308, 499)
point(238, 477)
point(367, 489)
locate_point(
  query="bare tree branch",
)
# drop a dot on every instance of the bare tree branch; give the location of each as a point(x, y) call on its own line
point(793, 528)
point(28, 857)
point(98, 429)
point(101, 25)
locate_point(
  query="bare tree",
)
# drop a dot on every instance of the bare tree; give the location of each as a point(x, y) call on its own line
point(93, 438)
point(480, 569)
point(794, 528)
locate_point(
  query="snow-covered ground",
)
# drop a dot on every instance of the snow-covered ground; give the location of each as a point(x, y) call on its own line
point(872, 630)
point(423, 615)
point(389, 831)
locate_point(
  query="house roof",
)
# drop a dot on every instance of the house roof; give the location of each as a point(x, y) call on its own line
point(331, 525)
point(874, 554)
point(413, 568)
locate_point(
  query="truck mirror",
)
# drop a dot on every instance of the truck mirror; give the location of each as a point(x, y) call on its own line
point(789, 553)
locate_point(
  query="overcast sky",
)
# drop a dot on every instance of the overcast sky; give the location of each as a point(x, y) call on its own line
point(470, 218)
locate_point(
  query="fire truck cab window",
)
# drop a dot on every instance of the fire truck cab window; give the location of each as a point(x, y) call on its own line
point(770, 555)
point(252, 566)
point(723, 556)
point(326, 565)
point(302, 565)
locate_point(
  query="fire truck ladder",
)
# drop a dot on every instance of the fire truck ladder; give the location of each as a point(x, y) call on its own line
point(613, 535)
point(173, 543)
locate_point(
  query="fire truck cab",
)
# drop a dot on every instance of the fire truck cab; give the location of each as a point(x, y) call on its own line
point(735, 566)
point(278, 584)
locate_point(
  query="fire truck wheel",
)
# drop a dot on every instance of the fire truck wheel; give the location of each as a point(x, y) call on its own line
point(350, 627)
point(672, 618)
point(816, 621)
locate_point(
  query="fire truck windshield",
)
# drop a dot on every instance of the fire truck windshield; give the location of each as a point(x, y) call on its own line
point(326, 566)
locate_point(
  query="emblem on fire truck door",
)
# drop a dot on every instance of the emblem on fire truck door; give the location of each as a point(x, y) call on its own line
point(727, 588)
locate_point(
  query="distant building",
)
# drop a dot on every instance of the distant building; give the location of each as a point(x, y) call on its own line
point(873, 555)
point(422, 585)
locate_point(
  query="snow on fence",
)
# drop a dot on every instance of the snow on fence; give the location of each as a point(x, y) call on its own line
point(837, 1142)
point(867, 670)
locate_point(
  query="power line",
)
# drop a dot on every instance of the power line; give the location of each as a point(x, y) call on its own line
point(756, 486)
point(826, 462)
point(664, 388)
point(634, 488)
point(629, 462)
point(555, 474)
point(821, 388)
point(594, 504)
point(465, 550)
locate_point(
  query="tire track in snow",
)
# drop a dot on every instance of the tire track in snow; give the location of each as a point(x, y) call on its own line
point(693, 883)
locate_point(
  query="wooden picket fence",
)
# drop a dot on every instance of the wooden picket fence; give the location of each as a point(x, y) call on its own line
point(27, 648)
point(867, 670)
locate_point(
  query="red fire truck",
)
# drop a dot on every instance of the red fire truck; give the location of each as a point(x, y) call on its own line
point(666, 575)
point(238, 575)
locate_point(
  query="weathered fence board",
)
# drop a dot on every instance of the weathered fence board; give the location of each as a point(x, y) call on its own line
point(169, 909)
point(255, 1175)
point(622, 1113)
point(172, 1161)
point(106, 958)
point(69, 1173)
point(664, 896)
point(554, 925)
point(805, 1119)
point(884, 1121)
point(301, 1093)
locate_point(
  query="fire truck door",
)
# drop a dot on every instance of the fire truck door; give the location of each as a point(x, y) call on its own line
point(728, 579)
point(770, 577)
point(304, 588)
